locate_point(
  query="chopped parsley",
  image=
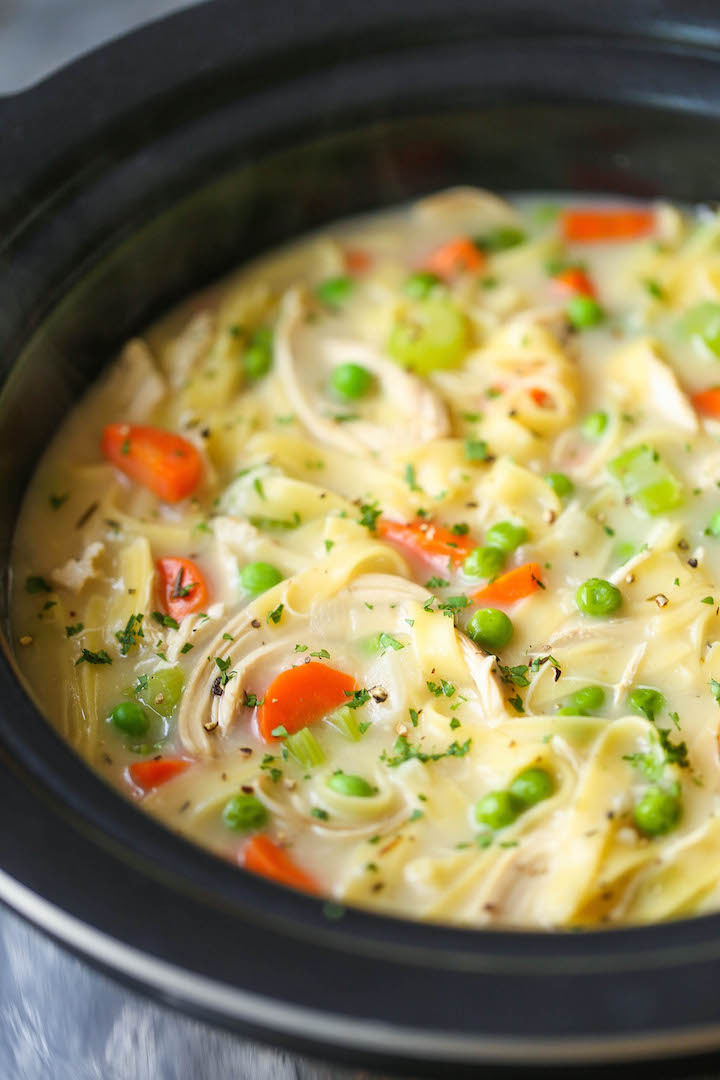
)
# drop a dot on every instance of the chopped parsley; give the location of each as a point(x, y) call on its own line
point(357, 698)
point(442, 687)
point(410, 478)
point(388, 642)
point(405, 751)
point(129, 636)
point(436, 583)
point(71, 631)
point(275, 615)
point(319, 813)
point(250, 701)
point(165, 620)
point(88, 657)
point(321, 654)
point(225, 675)
point(56, 501)
point(476, 450)
point(37, 584)
point(369, 512)
point(187, 647)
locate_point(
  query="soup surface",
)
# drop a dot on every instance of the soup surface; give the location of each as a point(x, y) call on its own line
point(390, 567)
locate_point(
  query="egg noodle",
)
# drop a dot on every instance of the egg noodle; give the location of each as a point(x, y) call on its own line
point(389, 567)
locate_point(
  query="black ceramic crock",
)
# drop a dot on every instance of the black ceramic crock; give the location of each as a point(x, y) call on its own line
point(141, 173)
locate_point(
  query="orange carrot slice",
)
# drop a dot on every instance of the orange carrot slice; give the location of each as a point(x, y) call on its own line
point(302, 695)
point(160, 460)
point(455, 257)
point(573, 282)
point(264, 857)
point(183, 589)
point(428, 541)
point(606, 224)
point(511, 587)
point(151, 774)
point(708, 401)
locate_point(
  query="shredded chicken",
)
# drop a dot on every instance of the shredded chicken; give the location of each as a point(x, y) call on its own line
point(465, 204)
point(75, 573)
point(641, 369)
point(421, 414)
point(190, 348)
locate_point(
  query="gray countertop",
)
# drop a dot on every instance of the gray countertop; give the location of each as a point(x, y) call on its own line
point(60, 1019)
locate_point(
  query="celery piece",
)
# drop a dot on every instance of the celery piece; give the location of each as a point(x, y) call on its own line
point(346, 722)
point(642, 475)
point(305, 748)
point(431, 335)
point(703, 321)
point(164, 690)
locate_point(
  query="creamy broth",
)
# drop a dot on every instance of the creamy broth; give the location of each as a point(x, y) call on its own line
point(390, 566)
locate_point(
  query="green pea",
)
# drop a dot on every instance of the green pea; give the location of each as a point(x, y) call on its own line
point(713, 527)
point(420, 284)
point(334, 291)
point(506, 535)
point(598, 597)
point(164, 690)
point(532, 786)
point(353, 786)
point(561, 484)
point(258, 577)
point(646, 701)
point(484, 562)
point(351, 380)
point(657, 812)
point(584, 701)
point(130, 717)
point(490, 628)
point(594, 424)
point(497, 809)
point(583, 312)
point(431, 336)
point(500, 238)
point(244, 812)
point(257, 358)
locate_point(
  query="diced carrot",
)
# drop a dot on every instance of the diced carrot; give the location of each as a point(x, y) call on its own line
point(511, 587)
point(183, 589)
point(151, 774)
point(264, 857)
point(356, 260)
point(455, 257)
point(600, 224)
point(539, 396)
point(302, 695)
point(708, 401)
point(160, 460)
point(573, 281)
point(428, 541)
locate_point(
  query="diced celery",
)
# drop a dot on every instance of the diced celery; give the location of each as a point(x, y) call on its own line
point(431, 335)
point(346, 722)
point(642, 475)
point(305, 748)
point(164, 690)
point(703, 321)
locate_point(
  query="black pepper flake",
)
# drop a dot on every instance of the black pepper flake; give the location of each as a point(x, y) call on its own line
point(185, 806)
point(256, 624)
point(247, 789)
point(378, 886)
point(692, 562)
point(683, 544)
point(246, 750)
point(205, 432)
point(217, 687)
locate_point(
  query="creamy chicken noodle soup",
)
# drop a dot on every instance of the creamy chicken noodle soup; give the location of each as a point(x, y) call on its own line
point(390, 567)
